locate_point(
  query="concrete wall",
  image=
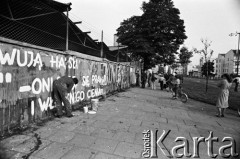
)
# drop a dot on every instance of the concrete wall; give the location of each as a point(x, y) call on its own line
point(27, 73)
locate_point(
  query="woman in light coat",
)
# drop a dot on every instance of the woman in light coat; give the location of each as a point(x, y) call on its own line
point(222, 101)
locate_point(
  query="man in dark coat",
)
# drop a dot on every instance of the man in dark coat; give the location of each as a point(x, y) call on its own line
point(61, 88)
point(144, 78)
point(236, 80)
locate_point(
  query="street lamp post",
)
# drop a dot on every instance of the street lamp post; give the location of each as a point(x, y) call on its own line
point(237, 63)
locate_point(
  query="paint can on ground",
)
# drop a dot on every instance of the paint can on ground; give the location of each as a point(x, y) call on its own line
point(85, 109)
point(95, 103)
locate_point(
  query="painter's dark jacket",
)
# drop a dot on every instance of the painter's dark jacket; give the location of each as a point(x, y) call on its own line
point(61, 88)
point(66, 82)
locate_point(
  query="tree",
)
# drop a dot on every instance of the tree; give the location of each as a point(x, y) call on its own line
point(207, 53)
point(184, 56)
point(129, 34)
point(156, 35)
point(174, 66)
point(207, 68)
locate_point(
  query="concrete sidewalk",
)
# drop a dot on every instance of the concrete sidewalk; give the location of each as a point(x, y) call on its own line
point(116, 130)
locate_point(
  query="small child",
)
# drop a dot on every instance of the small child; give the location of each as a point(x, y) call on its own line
point(176, 83)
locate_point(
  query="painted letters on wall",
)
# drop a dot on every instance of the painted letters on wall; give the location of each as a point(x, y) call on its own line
point(26, 77)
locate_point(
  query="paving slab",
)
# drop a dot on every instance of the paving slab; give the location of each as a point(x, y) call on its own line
point(62, 136)
point(124, 136)
point(128, 150)
point(45, 132)
point(104, 133)
point(85, 129)
point(84, 141)
point(79, 153)
point(104, 145)
point(54, 151)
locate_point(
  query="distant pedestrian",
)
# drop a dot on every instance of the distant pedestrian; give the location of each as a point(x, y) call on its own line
point(166, 76)
point(119, 79)
point(222, 101)
point(164, 83)
point(144, 78)
point(161, 81)
point(137, 79)
point(61, 88)
point(153, 79)
point(170, 82)
point(176, 84)
point(236, 80)
point(149, 77)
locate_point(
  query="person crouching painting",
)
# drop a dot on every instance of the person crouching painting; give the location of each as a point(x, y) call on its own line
point(61, 88)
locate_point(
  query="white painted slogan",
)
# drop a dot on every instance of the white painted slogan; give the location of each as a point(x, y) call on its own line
point(41, 85)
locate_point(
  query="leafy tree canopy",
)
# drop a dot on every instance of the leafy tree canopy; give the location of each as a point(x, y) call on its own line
point(174, 66)
point(210, 69)
point(184, 56)
point(156, 35)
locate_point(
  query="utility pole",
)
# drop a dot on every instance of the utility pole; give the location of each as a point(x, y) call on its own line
point(67, 32)
point(118, 54)
point(237, 63)
point(102, 45)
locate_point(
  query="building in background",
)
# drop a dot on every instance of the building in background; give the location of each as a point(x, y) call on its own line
point(199, 68)
point(194, 72)
point(190, 70)
point(230, 62)
point(226, 63)
point(219, 65)
point(115, 38)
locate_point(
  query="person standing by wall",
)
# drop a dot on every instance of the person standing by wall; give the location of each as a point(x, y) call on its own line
point(61, 88)
point(119, 80)
point(149, 77)
point(222, 101)
point(144, 78)
point(161, 81)
point(137, 78)
point(236, 80)
point(153, 79)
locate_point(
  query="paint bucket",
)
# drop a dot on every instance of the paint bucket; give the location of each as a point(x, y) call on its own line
point(94, 103)
point(85, 109)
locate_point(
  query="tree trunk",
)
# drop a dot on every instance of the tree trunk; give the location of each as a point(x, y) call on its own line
point(207, 75)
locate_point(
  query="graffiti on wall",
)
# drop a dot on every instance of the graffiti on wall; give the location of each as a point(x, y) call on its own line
point(29, 74)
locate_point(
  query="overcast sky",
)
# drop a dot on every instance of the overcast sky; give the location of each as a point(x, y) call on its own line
point(211, 19)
